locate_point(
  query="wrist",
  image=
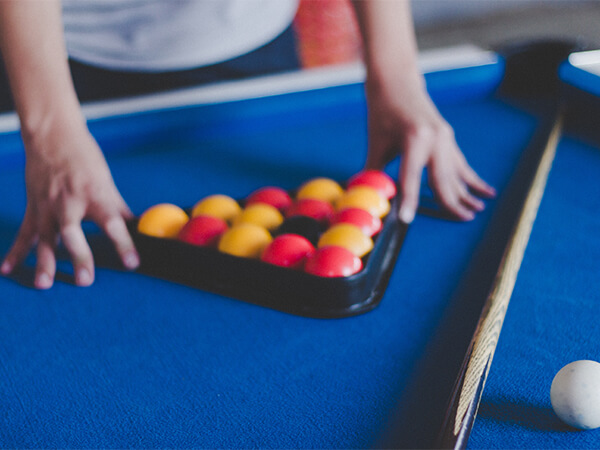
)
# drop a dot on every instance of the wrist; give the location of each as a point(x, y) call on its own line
point(389, 80)
point(48, 121)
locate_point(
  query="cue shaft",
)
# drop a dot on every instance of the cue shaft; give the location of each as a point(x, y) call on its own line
point(469, 387)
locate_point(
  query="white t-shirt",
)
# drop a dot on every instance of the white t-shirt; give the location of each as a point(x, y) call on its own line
point(159, 35)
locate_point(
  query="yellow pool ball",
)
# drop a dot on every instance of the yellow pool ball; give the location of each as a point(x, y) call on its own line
point(164, 220)
point(366, 198)
point(348, 236)
point(246, 240)
point(219, 206)
point(266, 216)
point(324, 189)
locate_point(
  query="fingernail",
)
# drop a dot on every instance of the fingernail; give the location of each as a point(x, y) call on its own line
point(6, 268)
point(406, 215)
point(43, 281)
point(131, 260)
point(84, 278)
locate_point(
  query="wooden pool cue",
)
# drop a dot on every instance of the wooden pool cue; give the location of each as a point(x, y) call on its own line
point(468, 389)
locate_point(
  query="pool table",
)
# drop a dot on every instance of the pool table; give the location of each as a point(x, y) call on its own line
point(141, 361)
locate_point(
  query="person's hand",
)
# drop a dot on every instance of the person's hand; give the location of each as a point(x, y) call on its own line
point(402, 118)
point(68, 181)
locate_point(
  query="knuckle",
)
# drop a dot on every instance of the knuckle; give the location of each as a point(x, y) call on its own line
point(430, 132)
point(419, 133)
point(68, 229)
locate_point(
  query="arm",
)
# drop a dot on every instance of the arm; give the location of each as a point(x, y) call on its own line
point(403, 118)
point(67, 178)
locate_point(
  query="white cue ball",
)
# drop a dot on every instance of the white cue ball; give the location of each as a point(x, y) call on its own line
point(575, 394)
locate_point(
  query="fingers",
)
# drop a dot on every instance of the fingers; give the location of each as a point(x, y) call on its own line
point(73, 238)
point(46, 261)
point(116, 230)
point(112, 221)
point(470, 201)
point(452, 194)
point(81, 255)
point(46, 247)
point(113, 224)
point(24, 241)
point(123, 209)
point(456, 185)
point(474, 182)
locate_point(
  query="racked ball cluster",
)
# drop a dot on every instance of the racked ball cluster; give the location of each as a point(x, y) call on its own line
point(324, 229)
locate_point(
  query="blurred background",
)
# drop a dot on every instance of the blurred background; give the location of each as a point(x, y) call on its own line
point(328, 33)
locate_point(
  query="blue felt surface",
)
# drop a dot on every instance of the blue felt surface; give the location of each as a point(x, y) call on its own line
point(139, 362)
point(552, 319)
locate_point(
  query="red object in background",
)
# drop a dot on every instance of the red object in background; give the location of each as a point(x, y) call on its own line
point(288, 250)
point(327, 33)
point(203, 231)
point(333, 261)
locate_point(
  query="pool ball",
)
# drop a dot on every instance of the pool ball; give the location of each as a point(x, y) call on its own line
point(366, 198)
point(164, 220)
point(575, 394)
point(333, 262)
point(203, 231)
point(273, 196)
point(218, 205)
point(260, 214)
point(288, 250)
point(306, 227)
point(320, 189)
point(368, 224)
point(347, 236)
point(311, 207)
point(246, 240)
point(378, 180)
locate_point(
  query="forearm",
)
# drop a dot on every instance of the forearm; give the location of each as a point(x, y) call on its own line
point(389, 41)
point(403, 120)
point(33, 49)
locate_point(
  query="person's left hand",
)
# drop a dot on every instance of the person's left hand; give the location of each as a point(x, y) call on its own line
point(68, 181)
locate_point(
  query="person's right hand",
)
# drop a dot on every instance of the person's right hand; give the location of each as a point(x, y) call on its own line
point(68, 181)
point(403, 119)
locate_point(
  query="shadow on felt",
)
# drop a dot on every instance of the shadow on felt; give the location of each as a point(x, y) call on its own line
point(521, 413)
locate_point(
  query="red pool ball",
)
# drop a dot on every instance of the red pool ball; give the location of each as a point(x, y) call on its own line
point(333, 261)
point(368, 224)
point(288, 250)
point(310, 207)
point(273, 196)
point(378, 180)
point(203, 230)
